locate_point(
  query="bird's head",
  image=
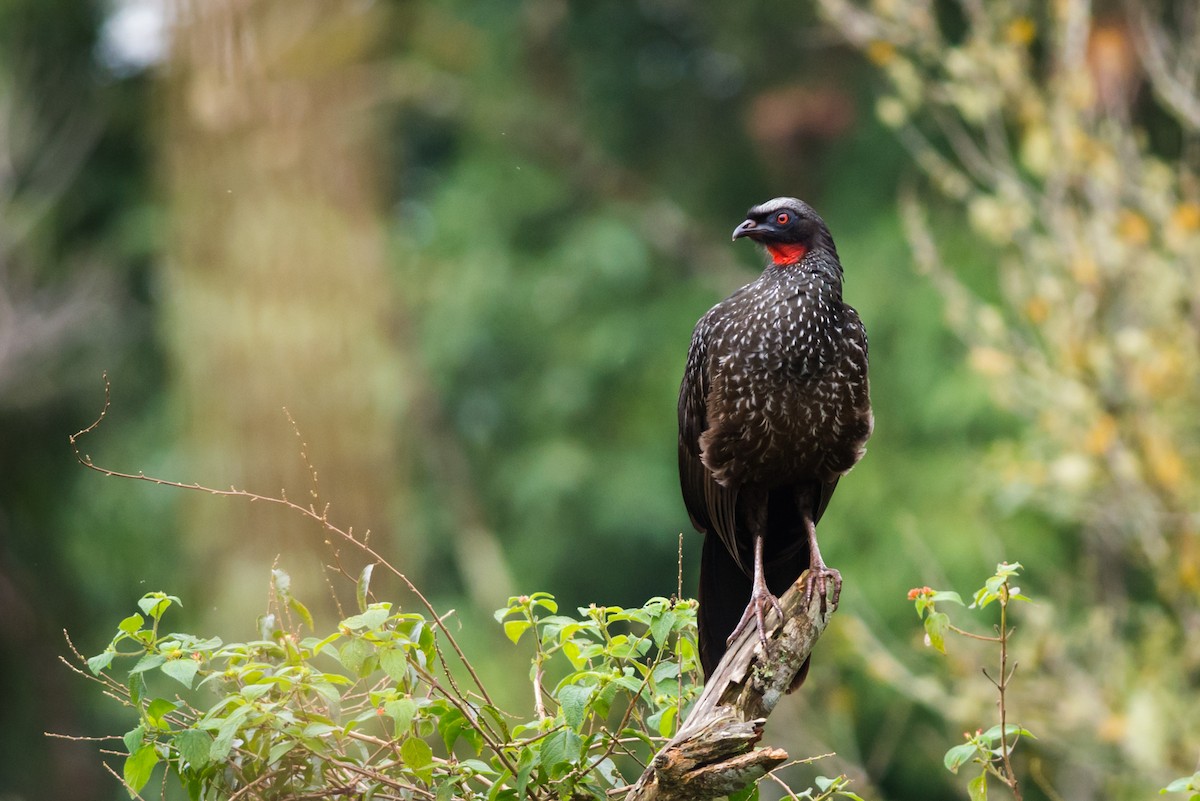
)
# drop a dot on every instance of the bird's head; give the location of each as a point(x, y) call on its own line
point(788, 228)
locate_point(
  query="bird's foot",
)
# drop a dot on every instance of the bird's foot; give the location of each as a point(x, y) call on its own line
point(818, 581)
point(760, 600)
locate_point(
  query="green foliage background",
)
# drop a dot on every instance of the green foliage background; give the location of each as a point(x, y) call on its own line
point(556, 187)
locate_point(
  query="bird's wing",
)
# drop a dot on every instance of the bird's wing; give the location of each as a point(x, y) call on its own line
point(693, 421)
point(710, 505)
point(855, 335)
point(824, 493)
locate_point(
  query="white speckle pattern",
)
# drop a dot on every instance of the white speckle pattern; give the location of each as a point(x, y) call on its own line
point(776, 389)
point(773, 410)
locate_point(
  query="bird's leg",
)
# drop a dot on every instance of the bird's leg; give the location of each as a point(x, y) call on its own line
point(760, 599)
point(819, 574)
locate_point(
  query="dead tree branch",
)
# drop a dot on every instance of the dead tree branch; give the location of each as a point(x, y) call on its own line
point(714, 752)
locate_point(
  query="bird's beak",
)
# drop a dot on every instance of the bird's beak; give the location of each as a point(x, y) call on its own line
point(747, 228)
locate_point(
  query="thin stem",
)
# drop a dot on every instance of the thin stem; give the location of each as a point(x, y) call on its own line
point(1002, 686)
point(972, 635)
point(320, 517)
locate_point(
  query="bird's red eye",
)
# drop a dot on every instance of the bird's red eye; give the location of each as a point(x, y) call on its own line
point(782, 218)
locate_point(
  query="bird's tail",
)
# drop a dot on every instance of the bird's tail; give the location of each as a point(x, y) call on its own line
point(724, 594)
point(725, 588)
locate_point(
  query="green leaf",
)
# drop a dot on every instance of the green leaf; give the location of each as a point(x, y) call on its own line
point(394, 664)
point(252, 692)
point(354, 655)
point(936, 625)
point(558, 748)
point(183, 670)
point(139, 766)
point(1011, 729)
point(1183, 784)
point(401, 711)
point(278, 750)
point(982, 598)
point(947, 595)
point(513, 629)
point(958, 756)
point(665, 671)
point(525, 769)
point(133, 738)
point(371, 619)
point(977, 788)
point(608, 771)
point(478, 766)
point(318, 729)
point(132, 624)
point(499, 786)
point(155, 604)
point(666, 721)
point(301, 610)
point(624, 647)
point(418, 757)
point(222, 744)
point(147, 662)
point(363, 588)
point(157, 709)
point(546, 601)
point(513, 605)
point(573, 700)
point(660, 627)
point(748, 793)
point(686, 653)
point(137, 687)
point(99, 662)
point(574, 653)
point(194, 746)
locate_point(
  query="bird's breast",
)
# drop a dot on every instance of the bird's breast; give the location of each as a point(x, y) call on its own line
point(788, 383)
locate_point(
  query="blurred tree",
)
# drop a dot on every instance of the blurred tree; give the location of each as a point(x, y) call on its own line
point(276, 292)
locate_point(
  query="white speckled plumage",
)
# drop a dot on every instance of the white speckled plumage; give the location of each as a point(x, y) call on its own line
point(774, 407)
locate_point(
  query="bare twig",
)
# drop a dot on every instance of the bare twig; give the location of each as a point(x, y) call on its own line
point(348, 536)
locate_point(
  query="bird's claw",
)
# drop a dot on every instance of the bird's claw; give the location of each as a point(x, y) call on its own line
point(819, 577)
point(756, 612)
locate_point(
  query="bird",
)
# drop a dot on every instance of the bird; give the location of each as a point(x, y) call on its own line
point(774, 408)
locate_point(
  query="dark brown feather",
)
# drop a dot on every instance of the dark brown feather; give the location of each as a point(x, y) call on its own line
point(773, 409)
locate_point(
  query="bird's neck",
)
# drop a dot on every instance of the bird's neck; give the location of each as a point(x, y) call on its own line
point(786, 254)
point(815, 271)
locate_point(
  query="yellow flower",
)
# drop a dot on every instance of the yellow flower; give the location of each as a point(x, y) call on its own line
point(881, 52)
point(1133, 228)
point(1101, 435)
point(1187, 216)
point(1037, 309)
point(1164, 461)
point(1020, 31)
point(1085, 271)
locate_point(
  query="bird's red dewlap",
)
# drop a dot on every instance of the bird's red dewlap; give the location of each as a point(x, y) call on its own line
point(786, 253)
